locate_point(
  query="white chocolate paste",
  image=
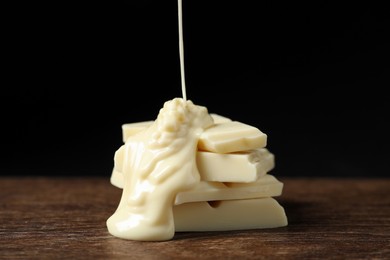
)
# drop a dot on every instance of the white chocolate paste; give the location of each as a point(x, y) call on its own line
point(159, 162)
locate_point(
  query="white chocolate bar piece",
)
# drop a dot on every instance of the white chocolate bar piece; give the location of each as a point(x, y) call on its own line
point(231, 137)
point(225, 136)
point(245, 166)
point(116, 178)
point(133, 128)
point(266, 186)
point(219, 119)
point(229, 215)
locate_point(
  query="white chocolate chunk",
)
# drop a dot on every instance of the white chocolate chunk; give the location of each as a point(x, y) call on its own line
point(116, 178)
point(229, 215)
point(219, 119)
point(133, 128)
point(246, 166)
point(231, 137)
point(225, 136)
point(119, 158)
point(266, 186)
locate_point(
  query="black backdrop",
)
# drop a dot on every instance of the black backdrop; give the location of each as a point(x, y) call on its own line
point(311, 75)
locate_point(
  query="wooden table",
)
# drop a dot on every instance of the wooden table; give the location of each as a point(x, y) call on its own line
point(64, 218)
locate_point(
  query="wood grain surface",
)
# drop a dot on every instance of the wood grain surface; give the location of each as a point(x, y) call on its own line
point(64, 218)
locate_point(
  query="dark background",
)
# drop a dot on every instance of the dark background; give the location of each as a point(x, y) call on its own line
point(310, 74)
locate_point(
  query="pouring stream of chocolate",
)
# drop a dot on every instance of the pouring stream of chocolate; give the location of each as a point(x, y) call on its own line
point(181, 49)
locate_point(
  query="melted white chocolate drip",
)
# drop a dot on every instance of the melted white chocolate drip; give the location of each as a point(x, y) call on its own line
point(159, 162)
point(181, 49)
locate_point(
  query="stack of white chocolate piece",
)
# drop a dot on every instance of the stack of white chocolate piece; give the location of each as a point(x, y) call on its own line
point(236, 190)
